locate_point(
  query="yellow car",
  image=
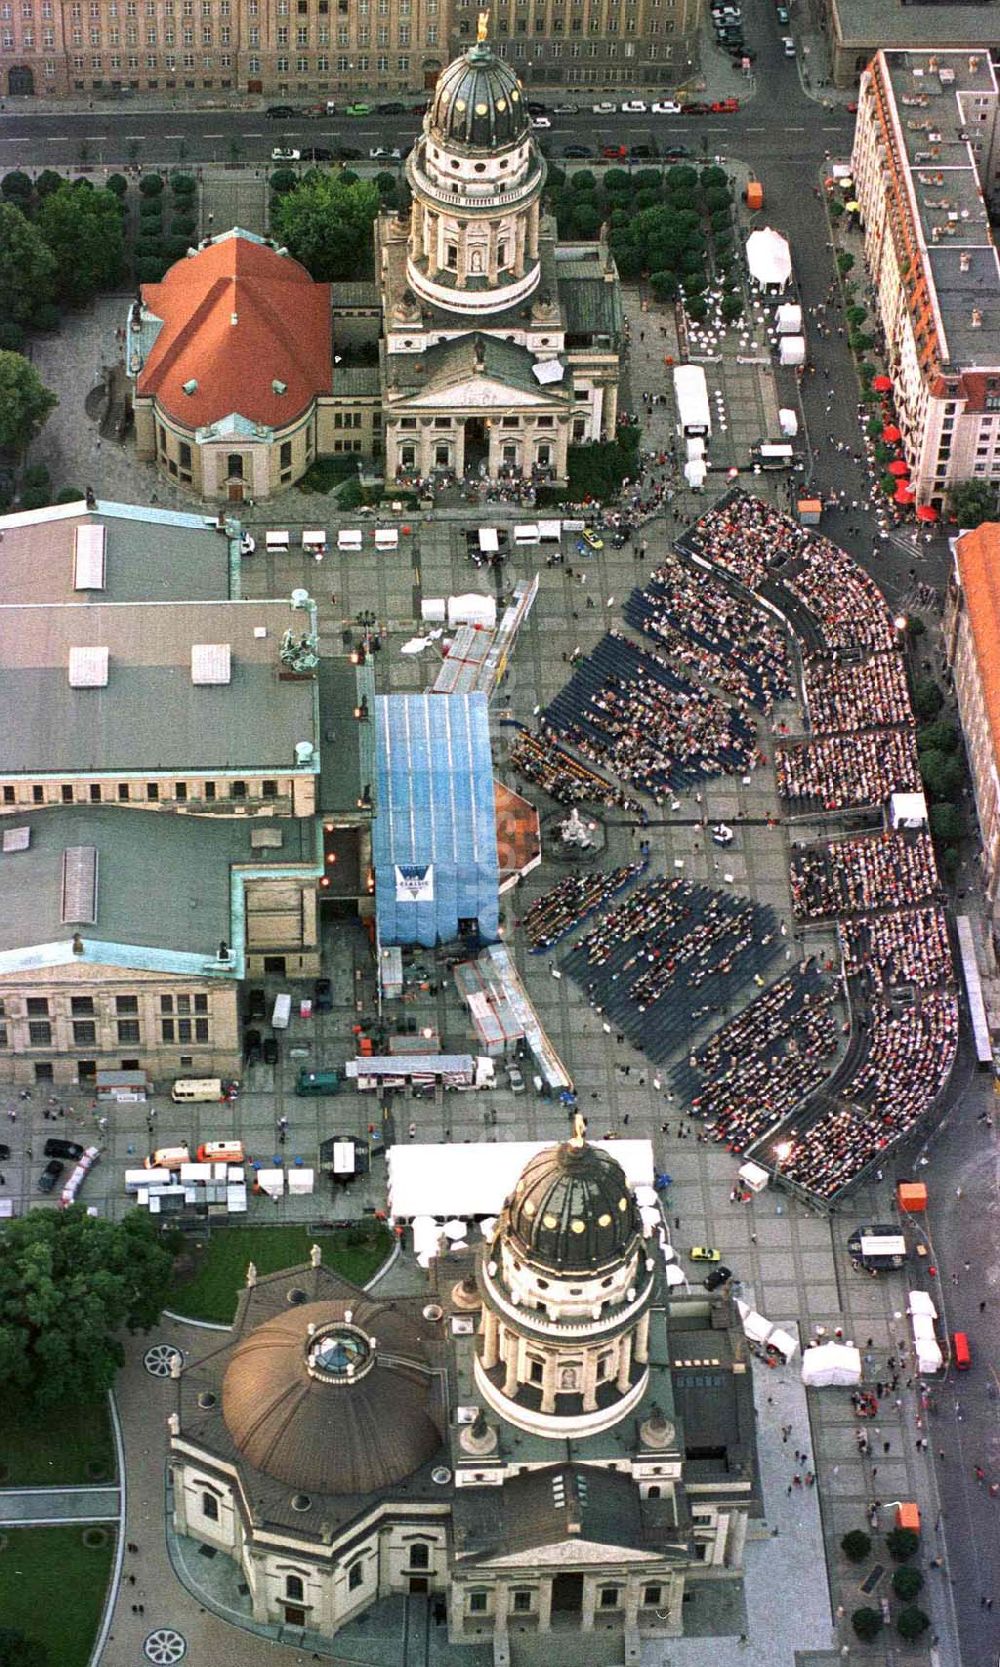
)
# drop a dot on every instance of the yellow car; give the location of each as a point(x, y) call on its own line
point(592, 538)
point(705, 1253)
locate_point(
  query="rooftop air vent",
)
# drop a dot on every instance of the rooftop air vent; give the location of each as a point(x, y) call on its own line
point(89, 544)
point(88, 668)
point(16, 839)
point(211, 663)
point(191, 385)
point(279, 387)
point(79, 884)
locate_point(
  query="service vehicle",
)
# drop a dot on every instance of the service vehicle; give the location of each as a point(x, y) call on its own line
point(666, 107)
point(604, 108)
point(281, 1011)
point(279, 112)
point(578, 151)
point(317, 1082)
point(635, 107)
point(614, 153)
point(68, 1149)
point(718, 1276)
point(203, 1088)
point(385, 153)
point(515, 1079)
point(705, 1253)
point(877, 1248)
point(50, 1175)
point(221, 1151)
point(725, 106)
point(961, 1354)
point(168, 1157)
point(285, 153)
point(564, 109)
point(540, 122)
point(788, 46)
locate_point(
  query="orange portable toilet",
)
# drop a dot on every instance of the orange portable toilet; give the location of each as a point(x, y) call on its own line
point(754, 194)
point(912, 1197)
point(908, 1515)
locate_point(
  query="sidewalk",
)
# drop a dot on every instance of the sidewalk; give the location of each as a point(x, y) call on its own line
point(36, 1507)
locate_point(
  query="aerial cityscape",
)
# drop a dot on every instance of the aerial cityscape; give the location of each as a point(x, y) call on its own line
point(500, 837)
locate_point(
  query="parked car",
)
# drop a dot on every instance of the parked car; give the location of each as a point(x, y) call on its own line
point(635, 107)
point(695, 109)
point(614, 153)
point(676, 153)
point(515, 1079)
point(605, 108)
point(346, 153)
point(579, 151)
point(718, 1276)
point(783, 15)
point(383, 153)
point(788, 46)
point(564, 109)
point(270, 1050)
point(322, 996)
point(50, 1175)
point(252, 1054)
point(705, 1253)
point(358, 110)
point(390, 109)
point(592, 538)
point(4, 1152)
point(256, 1004)
point(285, 153)
point(725, 106)
point(537, 109)
point(317, 153)
point(318, 112)
point(68, 1149)
point(641, 153)
point(279, 112)
point(666, 107)
point(540, 122)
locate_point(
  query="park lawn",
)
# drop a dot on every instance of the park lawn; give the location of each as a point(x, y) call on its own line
point(52, 1588)
point(65, 1445)
point(221, 1273)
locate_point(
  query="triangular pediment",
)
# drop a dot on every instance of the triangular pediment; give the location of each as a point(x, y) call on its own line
point(478, 393)
point(562, 1553)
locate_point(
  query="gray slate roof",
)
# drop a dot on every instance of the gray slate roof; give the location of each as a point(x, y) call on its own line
point(150, 555)
point(455, 361)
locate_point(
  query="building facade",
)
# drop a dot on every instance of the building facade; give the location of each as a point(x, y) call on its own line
point(557, 1341)
point(858, 29)
point(318, 48)
point(925, 166)
point(972, 643)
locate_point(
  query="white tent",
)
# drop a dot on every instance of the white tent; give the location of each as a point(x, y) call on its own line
point(473, 1180)
point(753, 1176)
point(831, 1364)
point(929, 1356)
point(908, 810)
point(674, 1274)
point(755, 1327)
point(788, 422)
point(472, 609)
point(271, 1181)
point(783, 1341)
point(769, 259)
point(789, 319)
point(920, 1302)
point(792, 350)
point(694, 474)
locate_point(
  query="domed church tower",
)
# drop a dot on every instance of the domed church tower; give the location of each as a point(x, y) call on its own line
point(476, 176)
point(566, 1285)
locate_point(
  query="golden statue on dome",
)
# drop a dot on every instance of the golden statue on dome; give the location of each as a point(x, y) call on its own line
point(483, 27)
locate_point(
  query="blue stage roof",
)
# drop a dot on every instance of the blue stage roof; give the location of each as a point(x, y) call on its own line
point(434, 833)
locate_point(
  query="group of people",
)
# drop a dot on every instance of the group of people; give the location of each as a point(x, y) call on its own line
point(540, 760)
point(858, 874)
point(572, 901)
point(668, 956)
point(900, 947)
point(844, 772)
point(850, 696)
point(908, 1060)
point(629, 711)
point(845, 603)
point(745, 537)
point(766, 1062)
point(700, 622)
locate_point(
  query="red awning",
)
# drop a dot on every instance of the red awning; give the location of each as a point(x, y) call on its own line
point(898, 467)
point(882, 384)
point(903, 494)
point(891, 434)
point(926, 512)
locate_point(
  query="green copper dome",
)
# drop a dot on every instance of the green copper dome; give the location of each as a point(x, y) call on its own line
point(478, 103)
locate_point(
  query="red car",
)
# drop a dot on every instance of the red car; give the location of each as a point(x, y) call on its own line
point(725, 106)
point(614, 153)
point(695, 109)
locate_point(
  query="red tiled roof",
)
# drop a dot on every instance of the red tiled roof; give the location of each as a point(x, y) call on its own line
point(978, 554)
point(282, 332)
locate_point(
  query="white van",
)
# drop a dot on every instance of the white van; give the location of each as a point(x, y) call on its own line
point(221, 1151)
point(282, 1011)
point(198, 1088)
point(168, 1157)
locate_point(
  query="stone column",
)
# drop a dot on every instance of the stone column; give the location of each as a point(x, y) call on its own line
point(463, 254)
point(491, 264)
point(511, 1344)
point(642, 1339)
point(632, 1590)
point(519, 236)
point(624, 1362)
point(258, 1591)
point(545, 1606)
point(549, 1384)
point(533, 223)
point(433, 230)
point(610, 410)
point(561, 447)
point(491, 1329)
point(590, 1380)
point(589, 1601)
point(425, 457)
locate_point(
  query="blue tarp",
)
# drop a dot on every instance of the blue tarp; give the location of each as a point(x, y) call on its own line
point(434, 834)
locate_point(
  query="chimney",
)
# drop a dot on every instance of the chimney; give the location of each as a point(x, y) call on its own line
point(964, 261)
point(976, 321)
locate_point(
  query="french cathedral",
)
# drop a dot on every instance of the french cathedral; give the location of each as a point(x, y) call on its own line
point(498, 347)
point(545, 1439)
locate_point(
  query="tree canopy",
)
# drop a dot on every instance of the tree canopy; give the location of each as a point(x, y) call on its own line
point(973, 502)
point(68, 1282)
point(84, 231)
point(25, 402)
point(327, 225)
point(27, 266)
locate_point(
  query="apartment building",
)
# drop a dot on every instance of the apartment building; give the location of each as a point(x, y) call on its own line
point(124, 936)
point(926, 167)
point(972, 643)
point(857, 29)
point(321, 48)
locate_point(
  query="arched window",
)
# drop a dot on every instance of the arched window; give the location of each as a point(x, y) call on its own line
point(294, 1589)
point(210, 1506)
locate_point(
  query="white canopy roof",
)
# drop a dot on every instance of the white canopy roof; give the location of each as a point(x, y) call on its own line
point(789, 318)
point(831, 1363)
point(788, 422)
point(474, 1179)
point(792, 350)
point(769, 258)
point(784, 1341)
point(920, 1302)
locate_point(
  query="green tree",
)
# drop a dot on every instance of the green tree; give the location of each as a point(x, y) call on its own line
point(84, 231)
point(946, 822)
point(327, 225)
point(941, 736)
point(17, 186)
point(973, 502)
point(27, 266)
point(911, 1622)
point(902, 1544)
point(68, 1282)
point(151, 185)
point(927, 699)
point(941, 773)
point(906, 1582)
point(16, 1650)
point(867, 1623)
point(732, 307)
point(856, 1545)
point(48, 180)
point(25, 402)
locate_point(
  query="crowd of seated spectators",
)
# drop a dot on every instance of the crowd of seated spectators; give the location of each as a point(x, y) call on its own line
point(852, 695)
point(571, 902)
point(543, 762)
point(844, 772)
point(851, 876)
point(899, 947)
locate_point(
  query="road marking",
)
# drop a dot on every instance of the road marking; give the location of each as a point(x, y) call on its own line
point(57, 139)
point(93, 138)
point(213, 135)
point(135, 138)
point(794, 129)
point(242, 135)
point(173, 136)
point(756, 130)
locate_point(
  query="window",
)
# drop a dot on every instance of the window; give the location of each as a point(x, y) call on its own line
point(67, 793)
point(239, 789)
point(420, 1556)
point(128, 1030)
point(210, 1507)
point(180, 791)
point(38, 1007)
point(210, 790)
point(40, 1033)
point(8, 794)
point(183, 1030)
point(522, 1603)
point(37, 795)
point(355, 1576)
point(234, 465)
point(123, 792)
point(126, 1004)
point(294, 1588)
point(285, 455)
point(652, 1596)
point(184, 1004)
point(167, 1029)
point(152, 791)
point(269, 789)
point(81, 1007)
point(609, 1597)
point(95, 792)
point(477, 1603)
point(201, 1030)
point(84, 1033)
